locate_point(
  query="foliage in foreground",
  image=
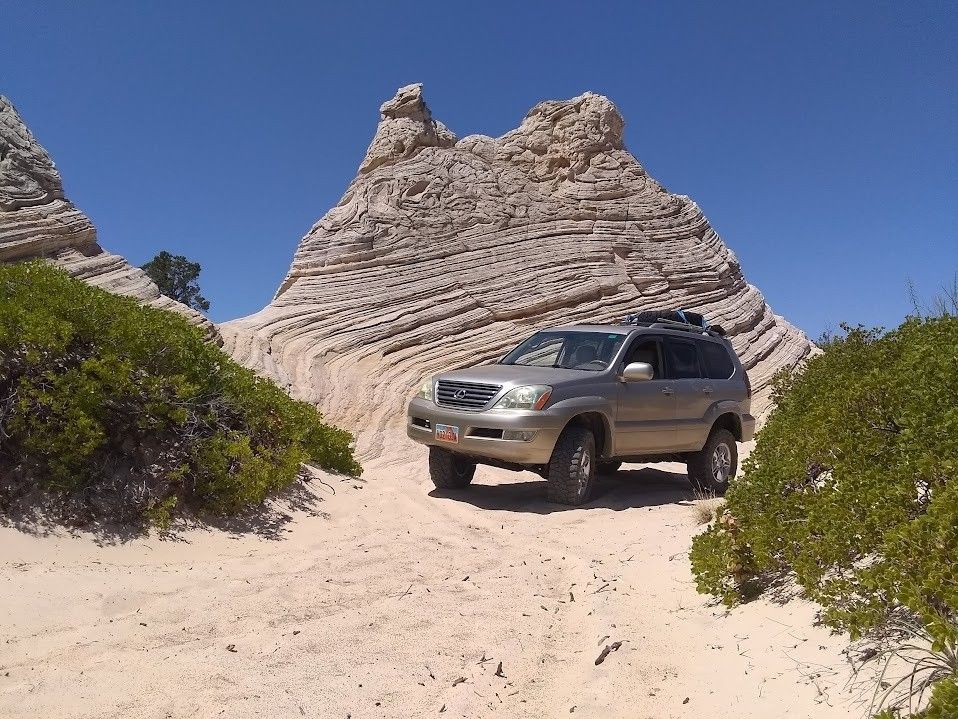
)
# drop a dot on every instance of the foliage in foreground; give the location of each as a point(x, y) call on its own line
point(176, 277)
point(121, 412)
point(852, 491)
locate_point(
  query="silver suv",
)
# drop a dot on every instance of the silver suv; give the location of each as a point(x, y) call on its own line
point(573, 402)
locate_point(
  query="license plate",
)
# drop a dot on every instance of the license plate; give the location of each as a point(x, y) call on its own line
point(447, 433)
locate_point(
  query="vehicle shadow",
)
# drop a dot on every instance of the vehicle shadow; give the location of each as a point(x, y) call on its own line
point(626, 489)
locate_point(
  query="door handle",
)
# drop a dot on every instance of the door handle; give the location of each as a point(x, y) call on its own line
point(707, 390)
point(668, 391)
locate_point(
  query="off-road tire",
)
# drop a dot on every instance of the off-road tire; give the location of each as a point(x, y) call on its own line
point(704, 466)
point(574, 454)
point(609, 467)
point(448, 470)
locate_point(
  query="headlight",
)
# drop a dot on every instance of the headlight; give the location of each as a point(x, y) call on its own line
point(531, 397)
point(425, 389)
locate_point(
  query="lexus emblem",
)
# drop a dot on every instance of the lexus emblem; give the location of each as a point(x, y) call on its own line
point(460, 394)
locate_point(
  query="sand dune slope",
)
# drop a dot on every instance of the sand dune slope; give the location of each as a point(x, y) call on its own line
point(384, 599)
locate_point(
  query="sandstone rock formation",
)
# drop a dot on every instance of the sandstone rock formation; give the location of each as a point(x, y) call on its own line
point(36, 220)
point(444, 253)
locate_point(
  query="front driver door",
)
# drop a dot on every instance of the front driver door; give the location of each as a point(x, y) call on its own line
point(645, 417)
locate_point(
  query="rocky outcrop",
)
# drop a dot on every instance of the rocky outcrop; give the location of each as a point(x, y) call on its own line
point(445, 252)
point(37, 221)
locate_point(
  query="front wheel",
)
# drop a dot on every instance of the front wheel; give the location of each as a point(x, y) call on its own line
point(448, 470)
point(712, 468)
point(572, 468)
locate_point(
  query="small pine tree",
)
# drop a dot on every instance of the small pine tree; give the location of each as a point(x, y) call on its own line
point(177, 278)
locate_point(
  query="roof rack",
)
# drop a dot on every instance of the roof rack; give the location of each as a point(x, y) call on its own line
point(699, 326)
point(713, 330)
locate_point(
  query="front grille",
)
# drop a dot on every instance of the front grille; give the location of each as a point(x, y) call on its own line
point(465, 395)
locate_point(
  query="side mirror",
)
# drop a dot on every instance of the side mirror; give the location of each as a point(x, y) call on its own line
point(637, 372)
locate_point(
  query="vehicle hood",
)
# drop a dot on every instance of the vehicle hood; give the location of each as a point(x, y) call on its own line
point(516, 375)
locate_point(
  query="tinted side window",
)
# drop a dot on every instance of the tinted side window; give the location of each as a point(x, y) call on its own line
point(683, 359)
point(718, 364)
point(646, 350)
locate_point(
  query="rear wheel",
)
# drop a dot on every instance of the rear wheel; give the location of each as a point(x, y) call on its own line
point(712, 468)
point(572, 468)
point(610, 467)
point(448, 470)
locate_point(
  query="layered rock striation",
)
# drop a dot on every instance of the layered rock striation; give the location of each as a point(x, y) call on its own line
point(446, 252)
point(37, 221)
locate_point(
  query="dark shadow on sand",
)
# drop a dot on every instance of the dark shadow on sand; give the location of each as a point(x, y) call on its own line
point(626, 489)
point(268, 521)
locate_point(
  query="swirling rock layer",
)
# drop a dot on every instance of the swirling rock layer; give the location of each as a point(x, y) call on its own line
point(444, 253)
point(37, 221)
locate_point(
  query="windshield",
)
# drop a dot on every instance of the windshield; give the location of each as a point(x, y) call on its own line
point(569, 349)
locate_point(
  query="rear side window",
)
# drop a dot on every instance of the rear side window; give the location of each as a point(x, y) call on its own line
point(683, 359)
point(718, 364)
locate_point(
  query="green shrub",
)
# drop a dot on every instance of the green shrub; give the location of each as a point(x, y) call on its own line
point(123, 413)
point(852, 490)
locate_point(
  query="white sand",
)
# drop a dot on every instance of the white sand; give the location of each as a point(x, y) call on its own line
point(379, 607)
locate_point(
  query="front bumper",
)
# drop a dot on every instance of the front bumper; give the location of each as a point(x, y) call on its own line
point(477, 431)
point(748, 427)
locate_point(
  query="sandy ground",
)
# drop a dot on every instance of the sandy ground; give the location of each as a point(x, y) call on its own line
point(389, 599)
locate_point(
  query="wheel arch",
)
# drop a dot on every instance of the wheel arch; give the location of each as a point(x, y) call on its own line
point(730, 421)
point(601, 429)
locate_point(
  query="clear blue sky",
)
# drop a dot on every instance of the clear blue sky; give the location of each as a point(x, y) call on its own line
point(821, 138)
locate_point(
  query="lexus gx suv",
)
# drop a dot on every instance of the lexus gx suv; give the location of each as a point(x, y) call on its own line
point(570, 403)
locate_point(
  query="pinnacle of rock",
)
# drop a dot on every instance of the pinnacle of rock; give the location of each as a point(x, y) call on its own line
point(28, 176)
point(405, 127)
point(444, 253)
point(37, 221)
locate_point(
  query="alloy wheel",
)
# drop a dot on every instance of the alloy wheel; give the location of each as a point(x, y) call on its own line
point(584, 471)
point(721, 463)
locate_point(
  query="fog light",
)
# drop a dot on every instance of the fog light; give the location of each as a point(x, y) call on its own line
point(517, 435)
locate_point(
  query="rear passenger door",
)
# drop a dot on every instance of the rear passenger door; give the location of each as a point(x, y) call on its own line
point(684, 369)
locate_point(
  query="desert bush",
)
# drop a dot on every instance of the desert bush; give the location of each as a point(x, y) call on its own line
point(122, 412)
point(706, 505)
point(852, 490)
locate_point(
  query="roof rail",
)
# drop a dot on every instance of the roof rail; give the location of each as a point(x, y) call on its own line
point(712, 330)
point(681, 326)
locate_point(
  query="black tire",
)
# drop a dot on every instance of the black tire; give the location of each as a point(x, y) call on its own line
point(609, 467)
point(711, 476)
point(448, 470)
point(572, 468)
